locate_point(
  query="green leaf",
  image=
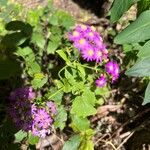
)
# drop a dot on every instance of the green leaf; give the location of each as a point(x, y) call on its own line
point(52, 47)
point(145, 50)
point(39, 40)
point(24, 52)
point(65, 19)
point(55, 95)
point(143, 5)
point(79, 123)
point(33, 16)
point(102, 92)
point(32, 139)
point(141, 68)
point(119, 7)
point(137, 31)
point(9, 68)
point(147, 95)
point(39, 80)
point(63, 55)
point(81, 70)
point(20, 135)
point(72, 144)
point(13, 39)
point(89, 97)
point(83, 107)
point(3, 2)
point(87, 145)
point(61, 118)
point(15, 25)
point(127, 48)
point(33, 68)
point(61, 18)
point(67, 86)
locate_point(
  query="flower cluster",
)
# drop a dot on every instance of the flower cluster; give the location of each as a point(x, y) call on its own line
point(89, 43)
point(28, 116)
point(91, 46)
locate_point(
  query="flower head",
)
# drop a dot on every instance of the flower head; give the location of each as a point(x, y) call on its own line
point(101, 81)
point(29, 117)
point(89, 43)
point(112, 68)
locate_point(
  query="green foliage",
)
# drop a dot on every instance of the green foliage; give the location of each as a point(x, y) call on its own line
point(35, 48)
point(119, 8)
point(20, 135)
point(86, 142)
point(32, 139)
point(9, 68)
point(72, 144)
point(60, 119)
point(80, 124)
point(141, 68)
point(144, 50)
point(138, 31)
point(147, 97)
point(143, 5)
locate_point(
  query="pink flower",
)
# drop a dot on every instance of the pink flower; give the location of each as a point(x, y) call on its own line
point(101, 81)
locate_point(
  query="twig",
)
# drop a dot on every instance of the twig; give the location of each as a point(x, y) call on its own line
point(127, 122)
point(108, 143)
point(125, 140)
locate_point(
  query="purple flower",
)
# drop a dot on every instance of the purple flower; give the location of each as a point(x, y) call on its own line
point(101, 81)
point(81, 44)
point(88, 54)
point(89, 43)
point(29, 117)
point(52, 107)
point(22, 93)
point(112, 68)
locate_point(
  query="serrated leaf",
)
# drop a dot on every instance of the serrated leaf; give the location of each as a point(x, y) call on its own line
point(82, 107)
point(23, 52)
point(147, 95)
point(81, 70)
point(32, 139)
point(89, 96)
point(57, 97)
point(79, 123)
point(52, 47)
point(33, 68)
point(103, 92)
point(20, 135)
point(137, 31)
point(39, 40)
point(72, 144)
point(39, 80)
point(67, 86)
point(145, 50)
point(61, 118)
point(63, 55)
point(141, 68)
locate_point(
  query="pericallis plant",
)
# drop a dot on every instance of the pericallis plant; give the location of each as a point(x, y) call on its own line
point(65, 72)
